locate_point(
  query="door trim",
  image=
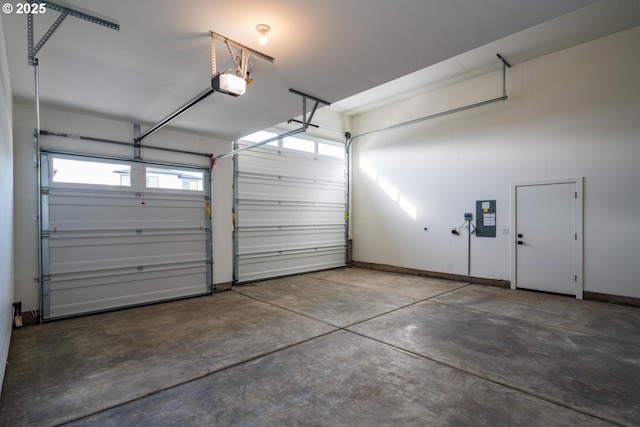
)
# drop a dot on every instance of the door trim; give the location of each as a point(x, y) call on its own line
point(579, 285)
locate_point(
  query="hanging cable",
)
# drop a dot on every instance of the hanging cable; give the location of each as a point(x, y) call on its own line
point(233, 55)
point(144, 171)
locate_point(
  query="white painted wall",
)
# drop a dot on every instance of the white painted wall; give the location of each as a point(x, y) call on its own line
point(6, 208)
point(26, 247)
point(569, 114)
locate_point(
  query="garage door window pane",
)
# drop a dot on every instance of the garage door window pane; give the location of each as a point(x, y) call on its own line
point(153, 181)
point(260, 136)
point(331, 150)
point(299, 144)
point(174, 179)
point(95, 173)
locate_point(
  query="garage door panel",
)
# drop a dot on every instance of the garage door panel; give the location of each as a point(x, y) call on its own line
point(274, 264)
point(89, 278)
point(263, 161)
point(114, 204)
point(109, 213)
point(278, 215)
point(259, 239)
point(100, 258)
point(300, 197)
point(290, 213)
point(125, 213)
point(95, 224)
point(107, 197)
point(281, 192)
point(86, 294)
point(91, 248)
point(64, 239)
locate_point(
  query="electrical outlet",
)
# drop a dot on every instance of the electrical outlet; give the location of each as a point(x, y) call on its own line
point(449, 266)
point(426, 229)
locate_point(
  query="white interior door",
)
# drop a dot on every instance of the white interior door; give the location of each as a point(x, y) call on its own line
point(547, 237)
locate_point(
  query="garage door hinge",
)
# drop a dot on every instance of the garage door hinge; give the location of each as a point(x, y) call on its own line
point(575, 278)
point(46, 234)
point(44, 191)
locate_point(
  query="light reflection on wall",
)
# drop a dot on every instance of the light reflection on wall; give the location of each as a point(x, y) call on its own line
point(391, 190)
point(388, 188)
point(408, 207)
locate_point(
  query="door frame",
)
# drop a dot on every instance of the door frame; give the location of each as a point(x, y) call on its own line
point(43, 190)
point(579, 182)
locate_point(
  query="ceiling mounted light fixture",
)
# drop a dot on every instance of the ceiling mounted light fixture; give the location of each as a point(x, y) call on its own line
point(263, 29)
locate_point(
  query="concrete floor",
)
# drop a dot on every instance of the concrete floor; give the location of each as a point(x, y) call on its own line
point(342, 347)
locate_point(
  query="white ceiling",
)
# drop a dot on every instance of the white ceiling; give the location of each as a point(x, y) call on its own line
point(348, 52)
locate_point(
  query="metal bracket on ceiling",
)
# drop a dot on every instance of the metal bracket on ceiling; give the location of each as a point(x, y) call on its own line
point(241, 62)
point(504, 61)
point(306, 121)
point(505, 65)
point(301, 122)
point(137, 142)
point(64, 12)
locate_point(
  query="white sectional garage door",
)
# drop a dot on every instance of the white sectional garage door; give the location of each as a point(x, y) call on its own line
point(119, 234)
point(290, 208)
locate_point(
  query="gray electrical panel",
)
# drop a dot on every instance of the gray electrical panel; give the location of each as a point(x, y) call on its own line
point(486, 218)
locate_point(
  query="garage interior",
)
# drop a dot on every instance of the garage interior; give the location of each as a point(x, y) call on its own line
point(418, 213)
